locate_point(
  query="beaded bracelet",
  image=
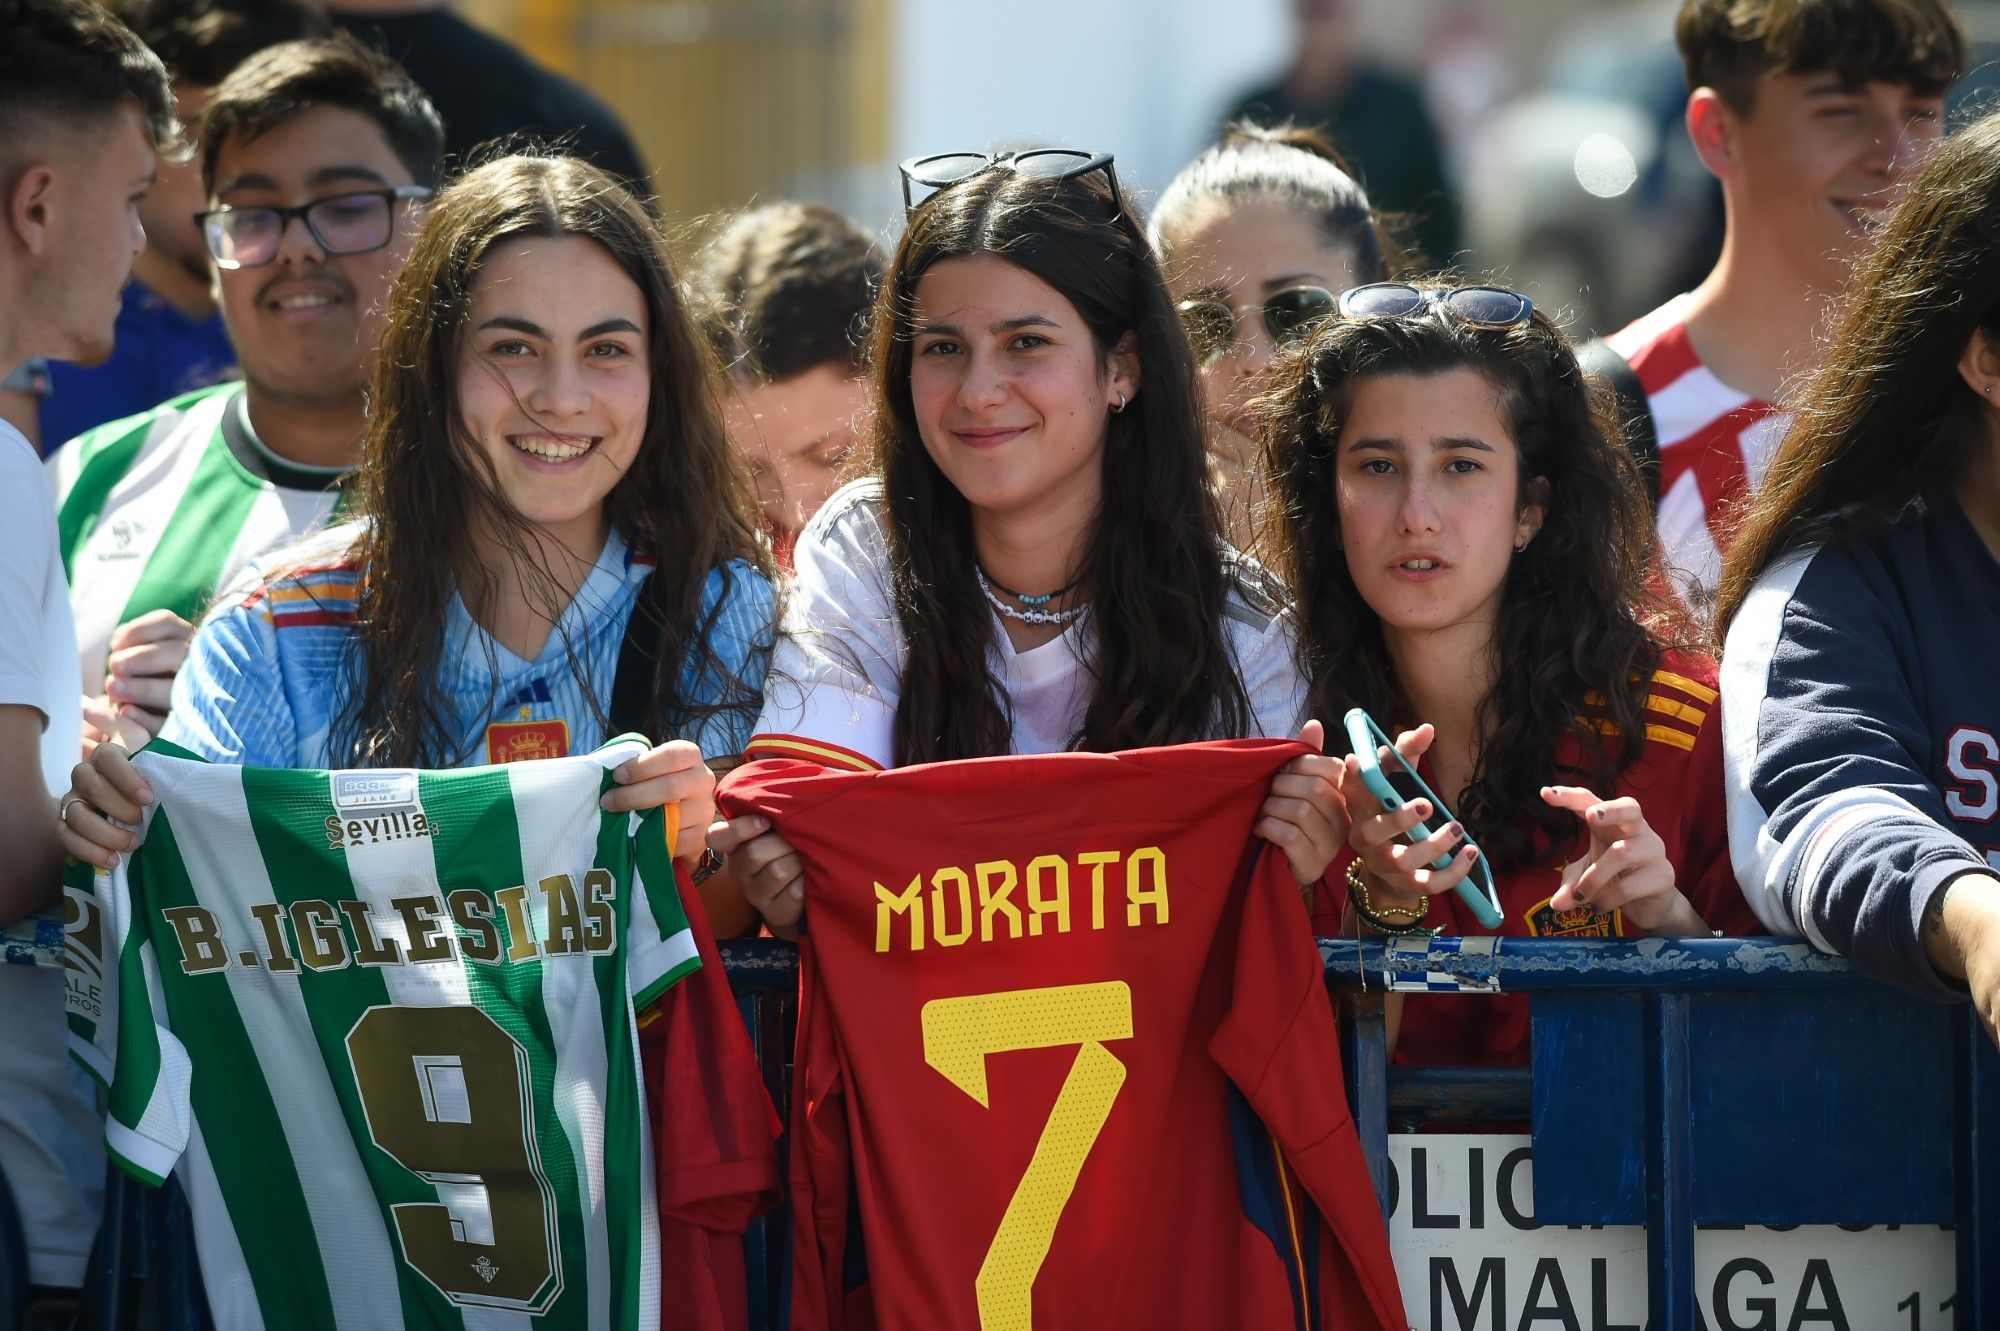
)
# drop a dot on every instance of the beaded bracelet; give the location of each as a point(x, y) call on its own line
point(1357, 891)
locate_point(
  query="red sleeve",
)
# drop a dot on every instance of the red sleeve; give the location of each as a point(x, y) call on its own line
point(1703, 870)
point(1329, 897)
point(714, 1137)
point(821, 1166)
point(767, 785)
point(1280, 1046)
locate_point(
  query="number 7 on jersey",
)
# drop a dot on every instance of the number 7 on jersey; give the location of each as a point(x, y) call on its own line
point(959, 1033)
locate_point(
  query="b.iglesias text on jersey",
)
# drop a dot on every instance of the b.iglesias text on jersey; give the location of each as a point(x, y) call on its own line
point(578, 918)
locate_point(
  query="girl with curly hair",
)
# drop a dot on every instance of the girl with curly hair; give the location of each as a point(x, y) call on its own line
point(1467, 541)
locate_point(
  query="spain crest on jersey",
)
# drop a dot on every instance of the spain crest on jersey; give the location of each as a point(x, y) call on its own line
point(522, 741)
point(1545, 921)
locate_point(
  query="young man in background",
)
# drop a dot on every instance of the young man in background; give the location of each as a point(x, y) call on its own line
point(1813, 115)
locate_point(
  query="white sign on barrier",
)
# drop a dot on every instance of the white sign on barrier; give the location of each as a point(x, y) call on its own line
point(1472, 1258)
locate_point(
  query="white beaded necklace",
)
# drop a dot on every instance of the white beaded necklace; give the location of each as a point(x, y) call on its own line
point(1039, 618)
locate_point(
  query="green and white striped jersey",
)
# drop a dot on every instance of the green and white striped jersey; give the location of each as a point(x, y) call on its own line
point(382, 1024)
point(159, 510)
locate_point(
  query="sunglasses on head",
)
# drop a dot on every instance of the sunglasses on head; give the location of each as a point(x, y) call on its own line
point(1480, 307)
point(1288, 315)
point(925, 176)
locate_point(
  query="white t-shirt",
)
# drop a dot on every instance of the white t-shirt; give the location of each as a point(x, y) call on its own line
point(51, 1136)
point(837, 671)
point(40, 634)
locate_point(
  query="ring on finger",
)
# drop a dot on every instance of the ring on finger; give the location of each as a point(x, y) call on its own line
point(62, 814)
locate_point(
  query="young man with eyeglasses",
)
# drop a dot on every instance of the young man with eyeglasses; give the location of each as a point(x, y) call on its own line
point(316, 157)
point(1813, 116)
point(84, 112)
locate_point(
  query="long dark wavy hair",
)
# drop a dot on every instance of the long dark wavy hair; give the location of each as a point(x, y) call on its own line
point(424, 483)
point(1164, 672)
point(1579, 633)
point(1886, 418)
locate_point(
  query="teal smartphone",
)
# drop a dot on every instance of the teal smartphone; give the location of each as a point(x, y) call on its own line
point(1401, 785)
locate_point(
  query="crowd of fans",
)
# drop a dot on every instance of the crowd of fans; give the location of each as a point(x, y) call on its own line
point(364, 445)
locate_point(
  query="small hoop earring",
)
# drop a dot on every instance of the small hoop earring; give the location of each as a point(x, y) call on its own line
point(1120, 408)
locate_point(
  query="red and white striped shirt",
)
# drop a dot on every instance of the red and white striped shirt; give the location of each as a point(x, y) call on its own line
point(1715, 442)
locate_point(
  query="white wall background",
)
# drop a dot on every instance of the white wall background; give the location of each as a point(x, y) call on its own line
point(1146, 80)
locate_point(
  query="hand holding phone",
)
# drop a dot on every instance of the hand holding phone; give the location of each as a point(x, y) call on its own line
point(1391, 779)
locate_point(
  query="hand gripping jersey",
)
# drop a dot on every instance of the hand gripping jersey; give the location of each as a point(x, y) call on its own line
point(1066, 1052)
point(382, 1023)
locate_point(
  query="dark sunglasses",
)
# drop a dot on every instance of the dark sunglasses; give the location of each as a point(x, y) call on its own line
point(925, 176)
point(340, 224)
point(1288, 316)
point(1481, 307)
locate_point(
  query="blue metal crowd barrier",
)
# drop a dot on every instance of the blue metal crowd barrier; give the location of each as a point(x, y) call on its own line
point(1775, 1086)
point(1687, 1040)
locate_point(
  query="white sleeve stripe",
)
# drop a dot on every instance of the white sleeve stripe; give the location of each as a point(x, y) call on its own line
point(1760, 862)
point(651, 965)
point(141, 1152)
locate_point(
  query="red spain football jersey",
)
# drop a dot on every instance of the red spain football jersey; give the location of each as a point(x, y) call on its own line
point(1066, 1059)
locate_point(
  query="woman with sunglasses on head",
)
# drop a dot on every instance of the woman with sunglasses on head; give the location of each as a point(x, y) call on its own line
point(1861, 603)
point(549, 533)
point(1035, 562)
point(1467, 540)
point(1256, 235)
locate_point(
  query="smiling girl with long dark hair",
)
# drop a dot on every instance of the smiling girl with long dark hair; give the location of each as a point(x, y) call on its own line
point(545, 476)
point(1036, 562)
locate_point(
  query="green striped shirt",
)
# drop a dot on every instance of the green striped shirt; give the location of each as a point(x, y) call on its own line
point(159, 510)
point(382, 1024)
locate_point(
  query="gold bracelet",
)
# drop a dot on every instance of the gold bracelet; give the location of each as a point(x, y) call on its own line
point(1357, 888)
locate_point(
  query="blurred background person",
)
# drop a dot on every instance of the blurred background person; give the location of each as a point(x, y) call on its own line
point(316, 157)
point(1813, 117)
point(1466, 75)
point(1375, 117)
point(1258, 236)
point(786, 289)
point(486, 88)
point(84, 112)
point(170, 336)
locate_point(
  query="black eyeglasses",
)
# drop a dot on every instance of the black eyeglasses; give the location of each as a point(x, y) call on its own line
point(341, 224)
point(939, 170)
point(1482, 307)
point(1288, 315)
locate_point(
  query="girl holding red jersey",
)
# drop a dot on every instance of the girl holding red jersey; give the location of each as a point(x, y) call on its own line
point(1468, 544)
point(1035, 562)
